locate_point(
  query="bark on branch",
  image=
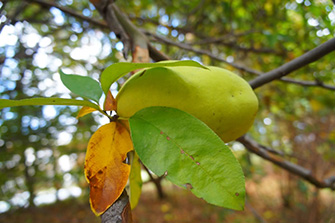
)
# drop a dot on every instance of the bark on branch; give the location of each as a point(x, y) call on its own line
point(258, 149)
point(107, 10)
point(119, 212)
point(132, 38)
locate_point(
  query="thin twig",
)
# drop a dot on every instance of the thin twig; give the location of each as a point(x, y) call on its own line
point(200, 51)
point(308, 83)
point(254, 212)
point(232, 44)
point(4, 2)
point(157, 181)
point(258, 149)
point(230, 35)
point(154, 53)
point(9, 19)
point(154, 22)
point(71, 12)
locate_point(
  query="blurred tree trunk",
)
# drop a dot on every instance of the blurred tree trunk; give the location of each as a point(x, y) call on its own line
point(30, 182)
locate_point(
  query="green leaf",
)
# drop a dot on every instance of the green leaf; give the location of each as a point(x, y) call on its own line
point(135, 181)
point(173, 143)
point(46, 101)
point(83, 86)
point(118, 70)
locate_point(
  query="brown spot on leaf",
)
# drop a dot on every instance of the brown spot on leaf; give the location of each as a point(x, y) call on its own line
point(237, 194)
point(188, 186)
point(182, 151)
point(141, 74)
point(89, 174)
point(191, 157)
point(198, 163)
point(100, 172)
point(168, 138)
point(161, 132)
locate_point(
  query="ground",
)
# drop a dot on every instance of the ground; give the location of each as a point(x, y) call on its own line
point(178, 206)
point(264, 204)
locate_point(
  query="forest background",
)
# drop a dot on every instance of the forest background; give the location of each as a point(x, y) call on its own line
point(287, 157)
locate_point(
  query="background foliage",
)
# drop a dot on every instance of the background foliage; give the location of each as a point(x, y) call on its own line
point(43, 148)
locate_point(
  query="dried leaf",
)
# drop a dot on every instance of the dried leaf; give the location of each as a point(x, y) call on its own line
point(84, 111)
point(110, 102)
point(105, 169)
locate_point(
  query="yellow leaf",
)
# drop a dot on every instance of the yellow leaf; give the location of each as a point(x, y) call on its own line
point(105, 169)
point(135, 181)
point(110, 102)
point(85, 110)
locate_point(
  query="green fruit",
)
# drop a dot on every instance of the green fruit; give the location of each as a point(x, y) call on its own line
point(218, 97)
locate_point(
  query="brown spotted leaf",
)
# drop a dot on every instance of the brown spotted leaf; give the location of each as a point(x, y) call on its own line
point(175, 144)
point(105, 169)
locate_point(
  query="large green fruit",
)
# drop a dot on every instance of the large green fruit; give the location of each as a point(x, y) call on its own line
point(218, 97)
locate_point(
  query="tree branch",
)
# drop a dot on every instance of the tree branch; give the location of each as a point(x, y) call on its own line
point(230, 35)
point(119, 212)
point(254, 212)
point(71, 12)
point(200, 51)
point(295, 64)
point(258, 149)
point(18, 10)
point(158, 56)
point(157, 181)
point(157, 23)
point(232, 44)
point(140, 41)
point(4, 2)
point(107, 9)
point(221, 40)
point(154, 53)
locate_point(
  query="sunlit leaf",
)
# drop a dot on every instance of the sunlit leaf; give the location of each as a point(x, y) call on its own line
point(110, 102)
point(118, 70)
point(85, 111)
point(83, 86)
point(46, 101)
point(135, 181)
point(105, 167)
point(173, 143)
